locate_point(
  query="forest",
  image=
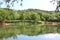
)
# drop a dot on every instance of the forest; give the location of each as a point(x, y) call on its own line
point(28, 15)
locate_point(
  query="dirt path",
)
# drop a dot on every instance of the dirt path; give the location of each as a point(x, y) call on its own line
point(53, 23)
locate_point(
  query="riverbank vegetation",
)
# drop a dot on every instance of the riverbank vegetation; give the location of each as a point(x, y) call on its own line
point(28, 15)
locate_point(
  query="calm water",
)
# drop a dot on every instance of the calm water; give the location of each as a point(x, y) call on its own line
point(30, 32)
point(50, 36)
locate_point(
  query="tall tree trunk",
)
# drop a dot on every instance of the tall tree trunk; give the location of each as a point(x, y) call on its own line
point(3, 23)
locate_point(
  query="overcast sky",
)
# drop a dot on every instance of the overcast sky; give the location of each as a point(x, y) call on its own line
point(35, 4)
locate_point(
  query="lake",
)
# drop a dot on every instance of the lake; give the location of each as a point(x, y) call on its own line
point(28, 31)
point(50, 36)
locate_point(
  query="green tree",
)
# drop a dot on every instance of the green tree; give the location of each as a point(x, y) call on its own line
point(6, 14)
point(12, 15)
point(35, 17)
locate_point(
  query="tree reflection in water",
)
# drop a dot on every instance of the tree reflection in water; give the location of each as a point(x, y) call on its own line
point(30, 30)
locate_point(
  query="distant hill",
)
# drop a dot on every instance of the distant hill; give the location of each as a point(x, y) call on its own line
point(34, 14)
point(30, 10)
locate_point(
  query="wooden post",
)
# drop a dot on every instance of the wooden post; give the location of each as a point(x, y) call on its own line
point(3, 23)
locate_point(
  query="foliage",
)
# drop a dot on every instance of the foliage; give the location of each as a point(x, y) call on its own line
point(6, 14)
point(3, 14)
point(9, 3)
point(29, 15)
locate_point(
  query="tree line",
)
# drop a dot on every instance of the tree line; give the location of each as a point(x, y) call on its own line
point(29, 14)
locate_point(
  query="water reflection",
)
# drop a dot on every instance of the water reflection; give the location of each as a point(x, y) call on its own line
point(30, 32)
point(50, 36)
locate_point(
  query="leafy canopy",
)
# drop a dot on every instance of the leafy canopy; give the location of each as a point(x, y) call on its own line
point(10, 2)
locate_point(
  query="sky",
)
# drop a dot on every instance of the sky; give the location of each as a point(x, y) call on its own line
point(50, 36)
point(35, 4)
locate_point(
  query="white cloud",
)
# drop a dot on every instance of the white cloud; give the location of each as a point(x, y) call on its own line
point(51, 35)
